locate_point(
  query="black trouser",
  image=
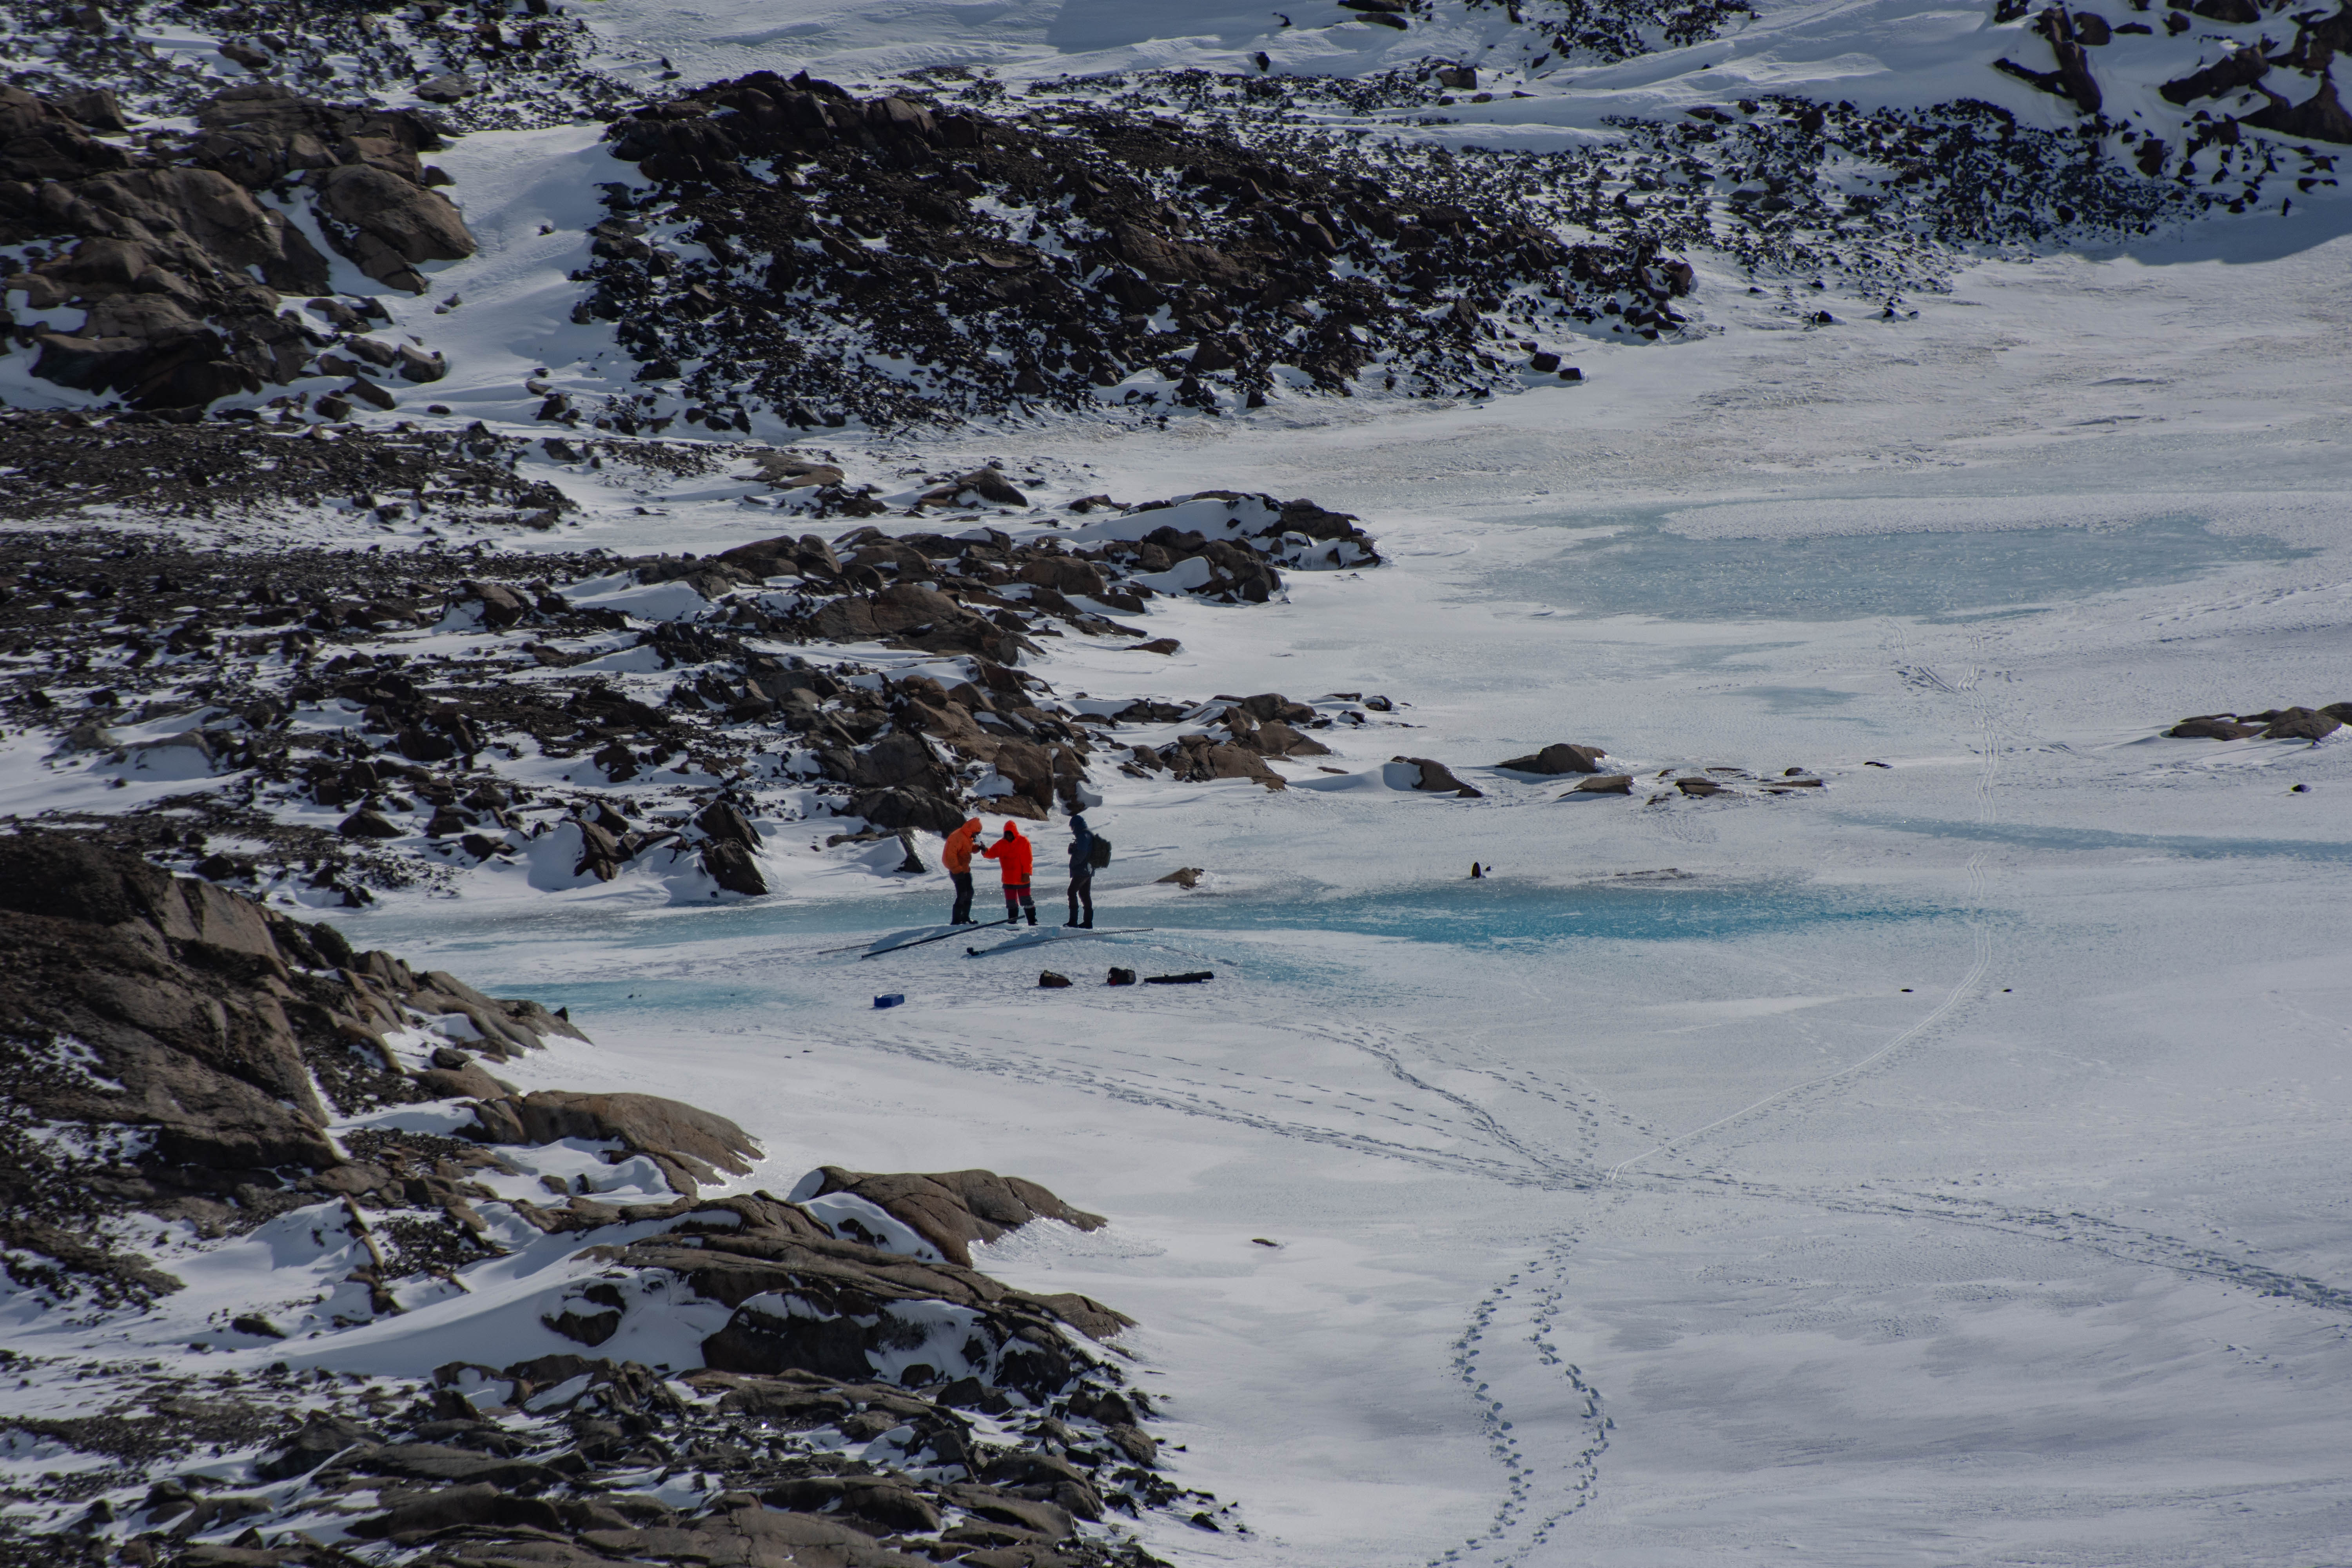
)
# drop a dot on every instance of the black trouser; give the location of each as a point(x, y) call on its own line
point(963, 880)
point(1082, 891)
point(1017, 899)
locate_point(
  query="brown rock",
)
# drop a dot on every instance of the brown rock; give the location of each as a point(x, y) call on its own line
point(1559, 759)
point(953, 1209)
point(730, 865)
point(2212, 728)
point(686, 1136)
point(2300, 724)
point(1437, 777)
point(387, 227)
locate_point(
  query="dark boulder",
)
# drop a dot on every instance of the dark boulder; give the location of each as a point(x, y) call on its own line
point(953, 1209)
point(320, 1439)
point(2212, 728)
point(1559, 758)
point(1437, 778)
point(728, 862)
point(2300, 724)
point(686, 1141)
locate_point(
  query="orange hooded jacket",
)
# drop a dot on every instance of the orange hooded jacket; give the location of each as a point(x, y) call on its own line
point(1011, 854)
point(957, 855)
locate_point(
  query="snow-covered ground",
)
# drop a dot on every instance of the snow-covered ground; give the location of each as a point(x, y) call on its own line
point(1947, 1168)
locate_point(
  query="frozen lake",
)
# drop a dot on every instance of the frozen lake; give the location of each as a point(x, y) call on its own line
point(1946, 1169)
point(1637, 566)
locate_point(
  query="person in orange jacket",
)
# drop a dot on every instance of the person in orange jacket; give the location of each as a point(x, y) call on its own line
point(1011, 854)
point(958, 858)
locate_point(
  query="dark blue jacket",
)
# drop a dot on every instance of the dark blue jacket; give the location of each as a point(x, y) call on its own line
point(1082, 847)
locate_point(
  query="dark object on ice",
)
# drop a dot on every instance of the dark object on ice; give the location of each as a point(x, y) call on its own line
point(1437, 778)
point(1878, 764)
point(1561, 758)
point(1603, 784)
point(1127, 976)
point(890, 999)
point(2213, 728)
point(1192, 978)
point(2299, 789)
point(1185, 876)
point(941, 936)
point(1262, 1241)
point(1049, 980)
point(1477, 872)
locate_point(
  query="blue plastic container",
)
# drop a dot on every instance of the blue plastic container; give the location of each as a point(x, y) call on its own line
point(894, 999)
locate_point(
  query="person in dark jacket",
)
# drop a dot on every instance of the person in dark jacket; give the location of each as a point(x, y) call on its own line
point(1082, 873)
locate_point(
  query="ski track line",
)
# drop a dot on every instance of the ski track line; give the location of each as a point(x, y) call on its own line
point(1981, 938)
point(1200, 1101)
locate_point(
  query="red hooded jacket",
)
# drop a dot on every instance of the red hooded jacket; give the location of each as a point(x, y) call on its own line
point(1011, 854)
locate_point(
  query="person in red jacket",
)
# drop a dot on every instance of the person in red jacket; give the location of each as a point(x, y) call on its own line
point(956, 857)
point(1011, 854)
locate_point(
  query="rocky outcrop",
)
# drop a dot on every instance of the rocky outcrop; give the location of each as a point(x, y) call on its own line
point(186, 1014)
point(690, 1146)
point(1264, 260)
point(2270, 724)
point(219, 1034)
point(166, 242)
point(953, 1209)
point(1558, 758)
point(1438, 779)
point(2073, 76)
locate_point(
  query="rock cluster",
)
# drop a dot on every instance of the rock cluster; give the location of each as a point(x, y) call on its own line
point(2270, 724)
point(287, 675)
point(218, 1034)
point(161, 245)
point(146, 465)
point(503, 64)
point(822, 257)
point(866, 1397)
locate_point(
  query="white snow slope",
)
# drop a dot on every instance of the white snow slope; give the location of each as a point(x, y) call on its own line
point(1947, 1169)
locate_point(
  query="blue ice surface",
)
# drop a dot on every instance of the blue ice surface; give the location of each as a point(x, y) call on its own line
point(2187, 847)
point(1655, 907)
point(619, 962)
point(1642, 568)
